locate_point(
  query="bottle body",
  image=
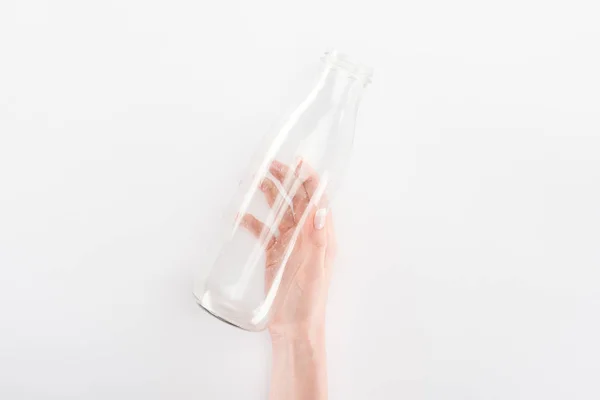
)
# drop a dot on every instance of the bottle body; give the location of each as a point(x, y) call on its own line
point(315, 139)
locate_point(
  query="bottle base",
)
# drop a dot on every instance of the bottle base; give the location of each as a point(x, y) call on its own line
point(221, 319)
point(208, 305)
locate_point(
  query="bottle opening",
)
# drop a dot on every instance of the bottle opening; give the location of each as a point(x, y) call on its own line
point(335, 59)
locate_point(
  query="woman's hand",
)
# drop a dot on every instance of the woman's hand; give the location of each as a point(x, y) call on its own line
point(300, 308)
point(297, 326)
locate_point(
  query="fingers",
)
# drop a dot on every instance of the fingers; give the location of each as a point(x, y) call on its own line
point(256, 227)
point(310, 188)
point(302, 189)
point(311, 183)
point(253, 225)
point(279, 170)
point(270, 190)
point(320, 213)
point(284, 187)
point(282, 172)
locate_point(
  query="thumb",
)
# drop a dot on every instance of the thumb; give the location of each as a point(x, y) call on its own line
point(320, 218)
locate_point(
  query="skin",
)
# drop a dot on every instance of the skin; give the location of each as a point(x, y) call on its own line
point(297, 327)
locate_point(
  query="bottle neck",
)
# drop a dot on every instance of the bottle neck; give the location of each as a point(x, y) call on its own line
point(343, 80)
point(340, 89)
point(342, 62)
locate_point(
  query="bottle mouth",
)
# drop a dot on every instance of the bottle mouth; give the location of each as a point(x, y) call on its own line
point(342, 61)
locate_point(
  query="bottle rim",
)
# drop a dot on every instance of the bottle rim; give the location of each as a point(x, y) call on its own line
point(336, 59)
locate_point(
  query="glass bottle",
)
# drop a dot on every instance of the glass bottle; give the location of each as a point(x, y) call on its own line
point(315, 139)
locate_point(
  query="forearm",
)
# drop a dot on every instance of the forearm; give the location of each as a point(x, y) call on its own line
point(299, 370)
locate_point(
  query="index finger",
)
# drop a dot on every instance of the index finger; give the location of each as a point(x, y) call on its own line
point(312, 182)
point(279, 170)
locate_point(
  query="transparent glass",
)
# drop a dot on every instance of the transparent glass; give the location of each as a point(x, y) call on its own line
point(306, 154)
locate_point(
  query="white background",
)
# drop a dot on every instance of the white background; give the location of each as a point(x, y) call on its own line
point(469, 224)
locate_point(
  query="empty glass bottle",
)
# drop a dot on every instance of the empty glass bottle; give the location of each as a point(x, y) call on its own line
point(305, 157)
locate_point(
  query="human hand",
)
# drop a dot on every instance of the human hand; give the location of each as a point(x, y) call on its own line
point(301, 300)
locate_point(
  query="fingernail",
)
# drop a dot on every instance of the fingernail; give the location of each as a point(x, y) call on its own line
point(320, 217)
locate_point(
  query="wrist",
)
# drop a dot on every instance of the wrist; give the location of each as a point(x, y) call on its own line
point(284, 340)
point(298, 332)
